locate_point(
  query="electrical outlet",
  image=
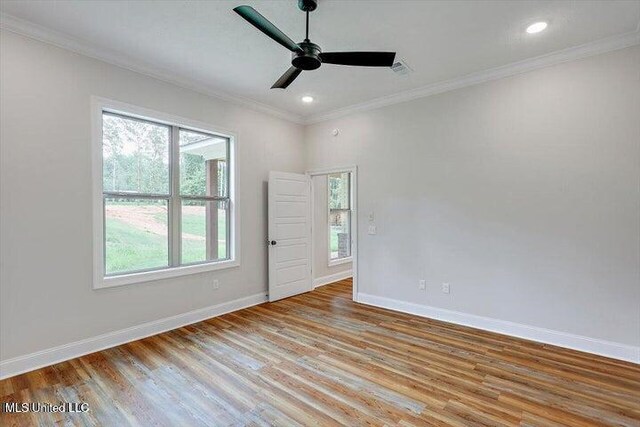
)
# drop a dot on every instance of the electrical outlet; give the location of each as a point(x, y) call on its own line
point(216, 284)
point(372, 229)
point(445, 288)
point(422, 285)
point(372, 216)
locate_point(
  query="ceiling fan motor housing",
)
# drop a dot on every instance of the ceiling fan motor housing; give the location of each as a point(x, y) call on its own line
point(307, 5)
point(308, 58)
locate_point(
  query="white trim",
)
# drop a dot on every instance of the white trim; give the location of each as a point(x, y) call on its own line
point(39, 359)
point(353, 169)
point(325, 280)
point(98, 105)
point(597, 47)
point(340, 261)
point(562, 339)
point(65, 41)
point(348, 168)
point(165, 273)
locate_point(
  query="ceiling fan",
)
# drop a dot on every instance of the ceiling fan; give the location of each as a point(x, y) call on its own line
point(305, 55)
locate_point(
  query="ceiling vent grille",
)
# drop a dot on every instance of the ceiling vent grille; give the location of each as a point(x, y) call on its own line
point(401, 68)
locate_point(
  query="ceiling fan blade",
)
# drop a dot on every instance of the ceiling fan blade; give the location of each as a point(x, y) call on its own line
point(287, 78)
point(263, 24)
point(362, 59)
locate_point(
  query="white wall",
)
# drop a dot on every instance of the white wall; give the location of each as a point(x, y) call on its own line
point(322, 271)
point(46, 297)
point(522, 193)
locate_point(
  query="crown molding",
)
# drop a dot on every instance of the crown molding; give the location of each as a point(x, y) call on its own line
point(65, 41)
point(573, 53)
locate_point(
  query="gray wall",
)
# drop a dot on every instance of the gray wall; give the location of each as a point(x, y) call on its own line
point(320, 220)
point(522, 193)
point(46, 297)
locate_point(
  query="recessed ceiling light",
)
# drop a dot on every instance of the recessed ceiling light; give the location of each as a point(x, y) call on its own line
point(536, 27)
point(307, 99)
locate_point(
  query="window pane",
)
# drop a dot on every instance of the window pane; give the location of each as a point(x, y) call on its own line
point(135, 155)
point(339, 233)
point(204, 231)
point(136, 234)
point(338, 184)
point(203, 164)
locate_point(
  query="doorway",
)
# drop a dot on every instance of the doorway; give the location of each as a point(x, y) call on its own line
point(334, 229)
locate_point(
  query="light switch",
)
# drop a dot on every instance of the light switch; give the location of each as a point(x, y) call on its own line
point(372, 217)
point(372, 229)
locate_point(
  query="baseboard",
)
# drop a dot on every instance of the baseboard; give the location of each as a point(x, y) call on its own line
point(29, 362)
point(562, 339)
point(325, 280)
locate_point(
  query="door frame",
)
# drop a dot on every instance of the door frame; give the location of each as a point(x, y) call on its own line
point(353, 169)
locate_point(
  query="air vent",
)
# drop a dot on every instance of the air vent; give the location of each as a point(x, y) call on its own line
point(401, 68)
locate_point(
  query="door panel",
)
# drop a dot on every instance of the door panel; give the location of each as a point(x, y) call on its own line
point(291, 209)
point(289, 235)
point(290, 231)
point(290, 253)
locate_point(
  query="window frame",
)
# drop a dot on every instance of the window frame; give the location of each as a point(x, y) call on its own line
point(100, 279)
point(338, 261)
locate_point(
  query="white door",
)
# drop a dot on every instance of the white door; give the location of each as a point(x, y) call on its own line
point(289, 235)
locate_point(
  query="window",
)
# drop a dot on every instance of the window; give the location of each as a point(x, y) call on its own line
point(204, 197)
point(166, 199)
point(339, 189)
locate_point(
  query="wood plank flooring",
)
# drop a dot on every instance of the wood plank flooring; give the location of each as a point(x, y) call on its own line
point(320, 359)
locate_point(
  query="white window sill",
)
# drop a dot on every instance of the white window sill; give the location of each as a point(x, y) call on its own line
point(340, 261)
point(167, 273)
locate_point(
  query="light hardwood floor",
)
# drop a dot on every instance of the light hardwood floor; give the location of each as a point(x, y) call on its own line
point(320, 359)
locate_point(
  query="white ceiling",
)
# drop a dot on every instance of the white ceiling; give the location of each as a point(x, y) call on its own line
point(207, 44)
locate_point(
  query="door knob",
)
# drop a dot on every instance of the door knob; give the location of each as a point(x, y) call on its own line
point(273, 242)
